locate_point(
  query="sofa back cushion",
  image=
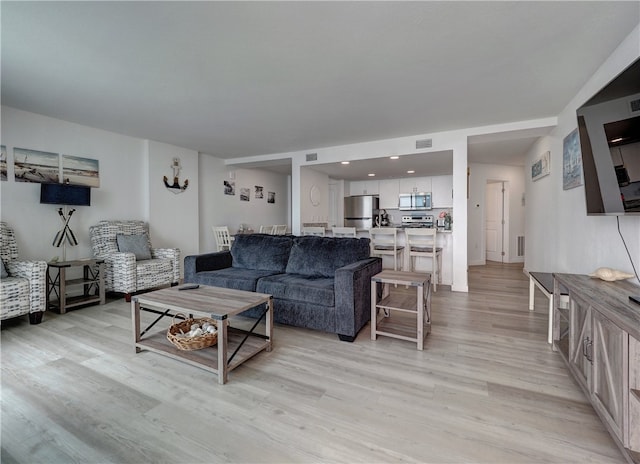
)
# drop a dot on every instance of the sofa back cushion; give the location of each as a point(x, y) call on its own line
point(321, 256)
point(261, 252)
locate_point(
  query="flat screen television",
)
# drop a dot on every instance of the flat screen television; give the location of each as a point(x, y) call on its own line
point(65, 194)
point(609, 130)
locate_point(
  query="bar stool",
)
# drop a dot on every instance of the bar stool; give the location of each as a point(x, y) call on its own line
point(318, 231)
point(223, 238)
point(344, 231)
point(279, 229)
point(266, 230)
point(384, 241)
point(422, 242)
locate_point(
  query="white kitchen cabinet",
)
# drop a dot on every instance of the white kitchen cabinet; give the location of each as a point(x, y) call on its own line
point(364, 187)
point(442, 191)
point(389, 190)
point(415, 184)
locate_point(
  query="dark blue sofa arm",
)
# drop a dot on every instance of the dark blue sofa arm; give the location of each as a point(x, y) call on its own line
point(353, 296)
point(206, 262)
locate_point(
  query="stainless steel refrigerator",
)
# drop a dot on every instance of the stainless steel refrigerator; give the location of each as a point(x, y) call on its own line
point(360, 211)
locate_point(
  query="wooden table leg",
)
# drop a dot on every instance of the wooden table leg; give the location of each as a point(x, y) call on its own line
point(420, 320)
point(135, 317)
point(269, 323)
point(374, 312)
point(222, 352)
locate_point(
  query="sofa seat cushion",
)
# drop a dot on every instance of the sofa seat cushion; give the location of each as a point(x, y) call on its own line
point(261, 252)
point(315, 290)
point(14, 297)
point(153, 273)
point(321, 256)
point(233, 277)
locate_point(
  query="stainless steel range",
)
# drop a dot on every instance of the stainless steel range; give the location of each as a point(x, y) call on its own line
point(417, 220)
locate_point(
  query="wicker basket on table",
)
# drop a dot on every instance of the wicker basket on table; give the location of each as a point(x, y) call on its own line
point(190, 343)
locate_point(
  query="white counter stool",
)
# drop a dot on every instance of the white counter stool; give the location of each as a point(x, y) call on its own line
point(308, 230)
point(384, 241)
point(266, 230)
point(344, 231)
point(422, 243)
point(223, 238)
point(279, 229)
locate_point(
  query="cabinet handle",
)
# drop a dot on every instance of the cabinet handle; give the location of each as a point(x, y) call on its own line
point(585, 342)
point(590, 351)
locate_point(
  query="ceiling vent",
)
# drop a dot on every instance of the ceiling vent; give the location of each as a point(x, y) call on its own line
point(425, 143)
point(312, 157)
point(635, 106)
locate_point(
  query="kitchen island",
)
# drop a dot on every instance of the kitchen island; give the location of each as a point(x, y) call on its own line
point(444, 240)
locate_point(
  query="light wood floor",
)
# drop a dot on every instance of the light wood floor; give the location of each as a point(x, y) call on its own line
point(487, 389)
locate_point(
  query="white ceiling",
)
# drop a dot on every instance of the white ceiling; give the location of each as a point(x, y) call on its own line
point(236, 79)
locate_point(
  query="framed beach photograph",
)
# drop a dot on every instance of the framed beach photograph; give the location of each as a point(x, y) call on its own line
point(3, 162)
point(35, 166)
point(541, 167)
point(245, 194)
point(80, 171)
point(571, 161)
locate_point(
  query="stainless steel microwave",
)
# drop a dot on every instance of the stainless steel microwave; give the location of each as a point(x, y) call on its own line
point(414, 201)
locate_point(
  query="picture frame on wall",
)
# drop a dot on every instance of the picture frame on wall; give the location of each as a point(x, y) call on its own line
point(3, 163)
point(35, 166)
point(77, 170)
point(541, 167)
point(571, 161)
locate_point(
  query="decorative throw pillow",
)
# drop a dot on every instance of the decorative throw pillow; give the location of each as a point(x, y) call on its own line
point(136, 244)
point(3, 271)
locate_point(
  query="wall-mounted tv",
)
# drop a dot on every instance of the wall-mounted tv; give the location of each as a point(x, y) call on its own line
point(65, 194)
point(609, 128)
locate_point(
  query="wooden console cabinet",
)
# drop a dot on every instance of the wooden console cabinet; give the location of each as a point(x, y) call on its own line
point(598, 336)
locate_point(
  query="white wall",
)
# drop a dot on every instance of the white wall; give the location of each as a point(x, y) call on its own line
point(480, 174)
point(217, 209)
point(122, 193)
point(173, 217)
point(131, 187)
point(560, 236)
point(310, 178)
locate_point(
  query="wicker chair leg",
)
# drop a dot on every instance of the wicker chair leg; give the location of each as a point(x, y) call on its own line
point(36, 318)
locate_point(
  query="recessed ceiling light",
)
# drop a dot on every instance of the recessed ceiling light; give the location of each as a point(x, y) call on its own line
point(411, 172)
point(395, 157)
point(371, 174)
point(344, 162)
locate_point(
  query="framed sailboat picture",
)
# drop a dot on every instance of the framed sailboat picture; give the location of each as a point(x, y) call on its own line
point(571, 161)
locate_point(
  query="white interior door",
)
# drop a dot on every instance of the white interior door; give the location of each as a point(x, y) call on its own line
point(494, 221)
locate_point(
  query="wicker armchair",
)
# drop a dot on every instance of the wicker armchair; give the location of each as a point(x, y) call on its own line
point(123, 272)
point(23, 291)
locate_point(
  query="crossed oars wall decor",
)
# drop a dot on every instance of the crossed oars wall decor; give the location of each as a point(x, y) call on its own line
point(65, 233)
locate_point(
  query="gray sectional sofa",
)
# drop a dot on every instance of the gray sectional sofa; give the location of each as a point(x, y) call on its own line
point(321, 283)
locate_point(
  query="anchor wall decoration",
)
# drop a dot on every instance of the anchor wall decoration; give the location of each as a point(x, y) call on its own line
point(176, 187)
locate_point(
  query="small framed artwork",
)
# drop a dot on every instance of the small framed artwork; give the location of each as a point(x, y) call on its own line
point(571, 161)
point(245, 194)
point(271, 197)
point(541, 167)
point(229, 188)
point(259, 192)
point(3, 162)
